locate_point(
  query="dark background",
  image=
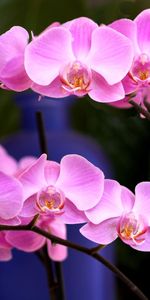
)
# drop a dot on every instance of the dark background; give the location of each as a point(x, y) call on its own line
point(123, 136)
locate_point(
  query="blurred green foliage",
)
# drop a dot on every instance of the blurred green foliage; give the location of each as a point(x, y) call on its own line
point(36, 15)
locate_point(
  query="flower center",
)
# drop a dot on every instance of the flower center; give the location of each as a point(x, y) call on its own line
point(141, 68)
point(131, 229)
point(50, 200)
point(76, 78)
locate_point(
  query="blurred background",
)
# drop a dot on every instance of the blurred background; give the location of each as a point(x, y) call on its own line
point(122, 136)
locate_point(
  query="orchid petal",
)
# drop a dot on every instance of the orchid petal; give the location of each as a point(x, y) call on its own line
point(129, 84)
point(44, 55)
point(5, 248)
point(54, 89)
point(57, 252)
point(33, 177)
point(81, 29)
point(128, 28)
point(51, 170)
point(72, 215)
point(103, 233)
point(8, 164)
point(12, 44)
point(127, 198)
point(26, 161)
point(111, 54)
point(144, 246)
point(29, 208)
point(5, 254)
point(101, 91)
point(3, 242)
point(13, 75)
point(11, 196)
point(26, 241)
point(81, 182)
point(121, 104)
point(142, 202)
point(143, 31)
point(13, 221)
point(109, 206)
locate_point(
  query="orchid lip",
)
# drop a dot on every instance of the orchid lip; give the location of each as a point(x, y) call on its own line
point(132, 228)
point(76, 78)
point(50, 200)
point(140, 71)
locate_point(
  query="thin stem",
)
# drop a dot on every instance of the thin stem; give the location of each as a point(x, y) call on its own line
point(147, 104)
point(140, 109)
point(133, 288)
point(52, 284)
point(59, 274)
point(101, 259)
point(33, 221)
point(41, 132)
point(44, 149)
point(97, 248)
point(39, 254)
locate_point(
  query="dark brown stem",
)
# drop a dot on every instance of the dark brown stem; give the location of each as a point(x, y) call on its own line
point(59, 289)
point(147, 104)
point(41, 132)
point(33, 221)
point(59, 274)
point(133, 288)
point(97, 248)
point(52, 283)
point(140, 109)
point(45, 260)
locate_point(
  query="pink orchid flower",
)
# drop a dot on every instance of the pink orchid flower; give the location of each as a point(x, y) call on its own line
point(79, 58)
point(11, 166)
point(137, 80)
point(121, 214)
point(12, 72)
point(8, 164)
point(11, 190)
point(65, 190)
point(30, 241)
point(5, 248)
point(11, 199)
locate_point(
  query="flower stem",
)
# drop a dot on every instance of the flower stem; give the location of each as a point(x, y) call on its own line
point(99, 258)
point(132, 287)
point(41, 132)
point(140, 110)
point(52, 283)
point(57, 266)
point(59, 274)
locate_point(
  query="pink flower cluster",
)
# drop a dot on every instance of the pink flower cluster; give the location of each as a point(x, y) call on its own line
point(107, 62)
point(74, 191)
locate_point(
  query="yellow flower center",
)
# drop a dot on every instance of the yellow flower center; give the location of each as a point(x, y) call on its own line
point(50, 200)
point(131, 228)
point(76, 77)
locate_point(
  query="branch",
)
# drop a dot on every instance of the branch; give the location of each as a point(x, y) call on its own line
point(140, 109)
point(41, 132)
point(57, 266)
point(52, 283)
point(134, 289)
